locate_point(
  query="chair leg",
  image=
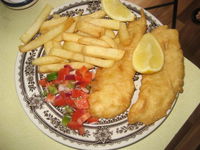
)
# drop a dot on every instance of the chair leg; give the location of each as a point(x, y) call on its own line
point(174, 14)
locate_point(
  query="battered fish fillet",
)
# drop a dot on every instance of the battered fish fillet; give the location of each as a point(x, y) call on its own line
point(159, 90)
point(113, 87)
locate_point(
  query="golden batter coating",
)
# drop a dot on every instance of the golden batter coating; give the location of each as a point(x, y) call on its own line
point(113, 87)
point(159, 90)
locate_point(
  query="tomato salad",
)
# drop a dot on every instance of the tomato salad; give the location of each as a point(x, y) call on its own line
point(69, 88)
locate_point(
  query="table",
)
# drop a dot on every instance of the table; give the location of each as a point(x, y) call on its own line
point(17, 132)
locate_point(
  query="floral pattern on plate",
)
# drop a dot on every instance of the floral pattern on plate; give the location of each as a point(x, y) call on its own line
point(107, 133)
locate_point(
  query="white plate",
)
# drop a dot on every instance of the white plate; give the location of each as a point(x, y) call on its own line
point(108, 133)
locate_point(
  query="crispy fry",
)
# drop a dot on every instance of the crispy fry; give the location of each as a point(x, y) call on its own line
point(106, 23)
point(27, 36)
point(56, 67)
point(47, 46)
point(124, 35)
point(93, 41)
point(49, 24)
point(90, 29)
point(78, 65)
point(116, 39)
point(47, 36)
point(109, 41)
point(72, 28)
point(96, 51)
point(79, 57)
point(97, 14)
point(58, 38)
point(86, 18)
point(56, 44)
point(67, 54)
point(47, 60)
point(83, 34)
point(72, 37)
point(51, 67)
point(73, 46)
point(99, 62)
point(101, 52)
point(110, 33)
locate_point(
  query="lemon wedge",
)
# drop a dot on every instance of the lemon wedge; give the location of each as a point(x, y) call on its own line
point(116, 10)
point(148, 56)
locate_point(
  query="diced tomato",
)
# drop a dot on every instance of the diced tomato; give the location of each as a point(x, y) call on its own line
point(92, 120)
point(69, 67)
point(78, 76)
point(62, 93)
point(68, 93)
point(82, 103)
point(59, 101)
point(63, 100)
point(74, 125)
point(50, 98)
point(70, 102)
point(57, 82)
point(70, 77)
point(77, 93)
point(77, 114)
point(87, 77)
point(83, 118)
point(82, 84)
point(81, 130)
point(43, 82)
point(83, 76)
point(64, 72)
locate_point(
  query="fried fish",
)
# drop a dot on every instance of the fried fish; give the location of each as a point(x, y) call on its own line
point(158, 90)
point(113, 87)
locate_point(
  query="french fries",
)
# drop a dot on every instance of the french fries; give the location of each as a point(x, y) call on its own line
point(89, 40)
point(58, 38)
point(109, 41)
point(56, 67)
point(49, 24)
point(110, 33)
point(80, 57)
point(93, 41)
point(99, 62)
point(56, 44)
point(116, 39)
point(72, 37)
point(90, 29)
point(46, 37)
point(96, 51)
point(67, 54)
point(106, 53)
point(72, 28)
point(27, 36)
point(83, 34)
point(48, 46)
point(73, 46)
point(124, 35)
point(51, 67)
point(106, 23)
point(97, 14)
point(47, 60)
point(78, 65)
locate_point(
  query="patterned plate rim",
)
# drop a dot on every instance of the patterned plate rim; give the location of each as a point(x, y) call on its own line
point(19, 61)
